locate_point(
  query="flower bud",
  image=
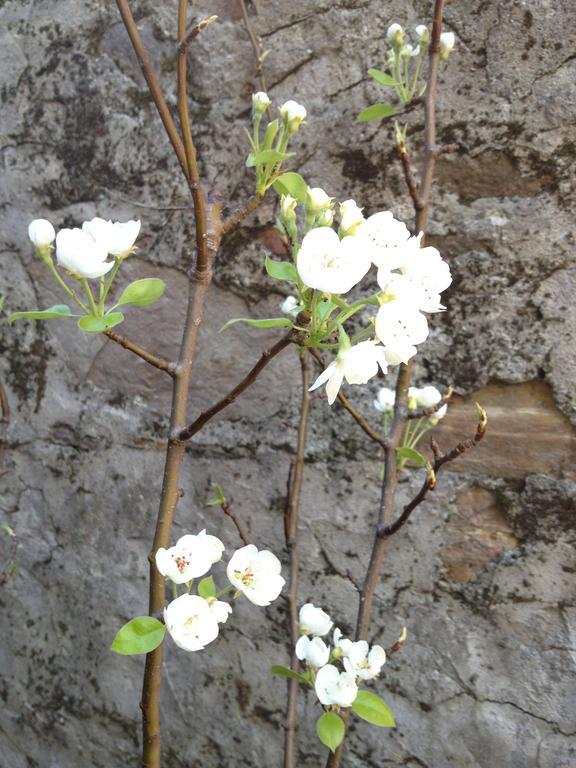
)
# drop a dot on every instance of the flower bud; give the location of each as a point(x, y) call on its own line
point(317, 200)
point(447, 42)
point(42, 233)
point(290, 305)
point(288, 209)
point(395, 35)
point(293, 114)
point(409, 51)
point(350, 217)
point(439, 414)
point(260, 103)
point(326, 218)
point(423, 33)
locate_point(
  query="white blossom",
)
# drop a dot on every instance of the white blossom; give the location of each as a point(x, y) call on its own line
point(317, 200)
point(427, 396)
point(395, 35)
point(191, 622)
point(116, 237)
point(341, 643)
point(334, 687)
point(79, 253)
point(41, 232)
point(220, 610)
point(288, 208)
point(313, 620)
point(260, 102)
point(399, 322)
point(386, 240)
point(399, 351)
point(364, 662)
point(256, 574)
point(357, 365)
point(313, 651)
point(385, 400)
point(423, 33)
point(350, 217)
point(190, 557)
point(447, 43)
point(293, 114)
point(326, 263)
point(290, 305)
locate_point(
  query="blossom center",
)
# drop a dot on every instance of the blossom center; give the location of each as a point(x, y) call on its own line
point(246, 577)
point(181, 563)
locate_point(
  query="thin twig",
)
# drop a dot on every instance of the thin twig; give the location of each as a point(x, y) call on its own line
point(194, 32)
point(230, 224)
point(5, 408)
point(267, 356)
point(408, 174)
point(420, 413)
point(257, 48)
point(225, 507)
point(157, 362)
point(363, 423)
point(291, 516)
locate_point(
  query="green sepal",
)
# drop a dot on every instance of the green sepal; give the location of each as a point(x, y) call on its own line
point(139, 635)
point(273, 322)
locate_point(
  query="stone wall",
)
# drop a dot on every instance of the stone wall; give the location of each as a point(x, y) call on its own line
point(484, 575)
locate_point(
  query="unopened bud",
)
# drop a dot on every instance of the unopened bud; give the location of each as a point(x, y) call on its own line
point(260, 103)
point(395, 35)
point(447, 42)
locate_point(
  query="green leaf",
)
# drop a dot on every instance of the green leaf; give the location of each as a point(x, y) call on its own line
point(330, 729)
point(219, 499)
point(371, 708)
point(273, 322)
point(58, 310)
point(270, 135)
point(411, 454)
point(282, 270)
point(291, 183)
point(140, 293)
point(285, 672)
point(376, 112)
point(267, 156)
point(207, 588)
point(140, 635)
point(382, 78)
point(93, 324)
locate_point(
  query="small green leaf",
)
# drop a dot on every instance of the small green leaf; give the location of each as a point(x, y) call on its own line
point(330, 729)
point(219, 499)
point(267, 156)
point(273, 322)
point(382, 78)
point(282, 270)
point(93, 324)
point(285, 672)
point(140, 635)
point(376, 112)
point(371, 708)
point(411, 454)
point(207, 588)
point(140, 293)
point(58, 310)
point(2, 300)
point(270, 135)
point(291, 183)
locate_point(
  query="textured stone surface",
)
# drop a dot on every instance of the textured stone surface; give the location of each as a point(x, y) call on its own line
point(488, 676)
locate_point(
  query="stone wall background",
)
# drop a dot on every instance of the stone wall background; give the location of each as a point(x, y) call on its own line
point(484, 575)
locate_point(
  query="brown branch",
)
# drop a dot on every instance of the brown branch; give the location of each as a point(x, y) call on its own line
point(363, 423)
point(230, 224)
point(257, 48)
point(225, 507)
point(419, 413)
point(152, 81)
point(194, 32)
point(157, 362)
point(408, 175)
point(5, 408)
point(291, 515)
point(183, 435)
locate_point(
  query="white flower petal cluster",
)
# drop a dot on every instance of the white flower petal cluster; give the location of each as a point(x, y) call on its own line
point(329, 264)
point(357, 365)
point(292, 114)
point(359, 658)
point(41, 233)
point(314, 621)
point(260, 102)
point(193, 621)
point(116, 237)
point(447, 43)
point(313, 651)
point(290, 306)
point(351, 217)
point(334, 687)
point(427, 397)
point(385, 400)
point(192, 556)
point(79, 253)
point(256, 573)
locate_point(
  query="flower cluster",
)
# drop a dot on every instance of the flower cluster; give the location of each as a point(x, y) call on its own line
point(335, 686)
point(193, 620)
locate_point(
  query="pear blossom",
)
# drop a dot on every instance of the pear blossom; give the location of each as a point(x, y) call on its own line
point(290, 305)
point(219, 609)
point(79, 253)
point(314, 652)
point(260, 102)
point(427, 267)
point(364, 662)
point(386, 239)
point(190, 557)
point(409, 51)
point(427, 396)
point(385, 400)
point(400, 321)
point(41, 232)
point(399, 351)
point(395, 35)
point(117, 237)
point(341, 644)
point(418, 291)
point(256, 574)
point(191, 622)
point(293, 114)
point(329, 264)
point(356, 364)
point(317, 200)
point(314, 621)
point(334, 687)
point(447, 43)
point(350, 217)
point(423, 33)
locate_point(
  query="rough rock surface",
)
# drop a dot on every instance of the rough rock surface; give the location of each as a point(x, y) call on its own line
point(484, 575)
